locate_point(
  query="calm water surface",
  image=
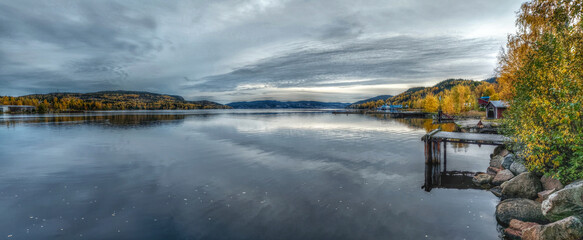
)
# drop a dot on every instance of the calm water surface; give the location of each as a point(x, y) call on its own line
point(231, 175)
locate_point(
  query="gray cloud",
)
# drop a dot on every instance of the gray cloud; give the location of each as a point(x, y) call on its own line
point(233, 48)
point(402, 59)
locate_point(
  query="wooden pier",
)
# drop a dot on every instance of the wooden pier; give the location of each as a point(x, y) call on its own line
point(434, 139)
point(391, 114)
point(437, 176)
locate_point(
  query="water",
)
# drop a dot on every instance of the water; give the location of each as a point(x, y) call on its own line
point(231, 175)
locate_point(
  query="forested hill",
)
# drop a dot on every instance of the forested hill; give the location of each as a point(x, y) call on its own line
point(279, 104)
point(108, 100)
point(413, 95)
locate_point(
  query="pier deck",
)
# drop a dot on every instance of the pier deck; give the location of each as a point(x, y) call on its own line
point(492, 139)
point(434, 139)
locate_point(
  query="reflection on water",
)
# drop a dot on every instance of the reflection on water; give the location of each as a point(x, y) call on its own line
point(438, 177)
point(134, 120)
point(230, 175)
point(419, 123)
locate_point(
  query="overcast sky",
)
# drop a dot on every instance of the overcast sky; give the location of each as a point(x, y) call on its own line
point(233, 50)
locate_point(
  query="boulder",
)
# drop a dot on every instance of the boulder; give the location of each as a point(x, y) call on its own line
point(517, 168)
point(525, 185)
point(498, 149)
point(502, 177)
point(493, 171)
point(521, 209)
point(516, 228)
point(503, 153)
point(508, 160)
point(565, 202)
point(545, 194)
point(570, 228)
point(496, 161)
point(497, 191)
point(551, 183)
point(482, 180)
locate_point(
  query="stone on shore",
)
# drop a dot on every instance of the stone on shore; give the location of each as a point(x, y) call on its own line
point(521, 209)
point(525, 185)
point(503, 153)
point(502, 176)
point(498, 149)
point(517, 168)
point(493, 171)
point(565, 202)
point(551, 183)
point(496, 161)
point(482, 180)
point(570, 228)
point(508, 160)
point(497, 191)
point(545, 194)
point(516, 228)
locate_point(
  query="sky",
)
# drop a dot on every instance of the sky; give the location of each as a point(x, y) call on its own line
point(243, 50)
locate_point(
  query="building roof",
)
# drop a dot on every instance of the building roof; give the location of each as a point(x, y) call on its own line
point(499, 104)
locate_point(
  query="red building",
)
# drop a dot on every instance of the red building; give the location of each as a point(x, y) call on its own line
point(483, 102)
point(494, 109)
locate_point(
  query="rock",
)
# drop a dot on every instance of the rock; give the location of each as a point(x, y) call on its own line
point(565, 202)
point(482, 180)
point(517, 168)
point(498, 149)
point(516, 228)
point(551, 183)
point(493, 171)
point(496, 161)
point(525, 185)
point(513, 234)
point(503, 153)
point(508, 160)
point(521, 209)
point(497, 191)
point(502, 177)
point(570, 228)
point(545, 194)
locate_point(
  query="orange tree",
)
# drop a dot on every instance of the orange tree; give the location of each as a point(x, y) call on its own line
point(542, 76)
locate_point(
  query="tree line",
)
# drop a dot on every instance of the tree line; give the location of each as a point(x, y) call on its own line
point(112, 101)
point(541, 75)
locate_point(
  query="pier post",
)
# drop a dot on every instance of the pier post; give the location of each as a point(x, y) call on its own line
point(444, 156)
point(428, 151)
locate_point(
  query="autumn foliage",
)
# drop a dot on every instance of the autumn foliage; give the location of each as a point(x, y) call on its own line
point(108, 100)
point(542, 75)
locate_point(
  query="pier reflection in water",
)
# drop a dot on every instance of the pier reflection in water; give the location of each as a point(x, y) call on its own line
point(436, 173)
point(438, 177)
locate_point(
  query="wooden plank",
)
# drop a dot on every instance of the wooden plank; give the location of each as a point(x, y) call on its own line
point(430, 134)
point(471, 137)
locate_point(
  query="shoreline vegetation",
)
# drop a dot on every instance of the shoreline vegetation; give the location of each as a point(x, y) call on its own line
point(540, 176)
point(107, 100)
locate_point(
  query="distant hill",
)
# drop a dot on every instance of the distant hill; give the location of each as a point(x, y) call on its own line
point(114, 100)
point(491, 80)
point(412, 94)
point(360, 103)
point(383, 97)
point(279, 104)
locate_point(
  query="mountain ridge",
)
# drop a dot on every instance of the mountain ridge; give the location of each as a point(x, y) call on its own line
point(266, 104)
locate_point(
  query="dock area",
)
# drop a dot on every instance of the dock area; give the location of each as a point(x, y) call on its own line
point(391, 114)
point(491, 139)
point(434, 139)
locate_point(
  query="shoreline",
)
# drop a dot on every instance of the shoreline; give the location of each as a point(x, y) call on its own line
point(531, 206)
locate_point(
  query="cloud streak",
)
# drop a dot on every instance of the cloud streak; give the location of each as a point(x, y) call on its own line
point(363, 62)
point(245, 49)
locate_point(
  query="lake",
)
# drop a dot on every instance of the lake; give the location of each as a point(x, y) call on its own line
point(232, 174)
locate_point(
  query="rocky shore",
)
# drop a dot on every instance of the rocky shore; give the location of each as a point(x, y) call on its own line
point(532, 207)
